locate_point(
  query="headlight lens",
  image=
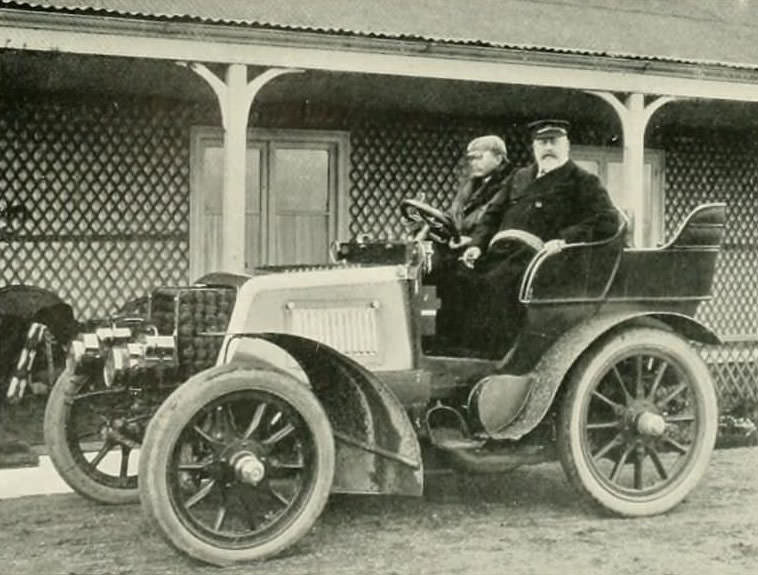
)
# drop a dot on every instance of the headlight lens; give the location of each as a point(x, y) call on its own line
point(116, 363)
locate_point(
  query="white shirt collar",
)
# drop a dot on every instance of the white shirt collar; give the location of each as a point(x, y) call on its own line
point(542, 171)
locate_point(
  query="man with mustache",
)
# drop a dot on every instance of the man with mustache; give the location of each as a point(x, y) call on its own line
point(553, 199)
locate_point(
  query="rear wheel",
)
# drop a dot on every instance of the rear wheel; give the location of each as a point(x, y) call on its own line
point(638, 423)
point(237, 465)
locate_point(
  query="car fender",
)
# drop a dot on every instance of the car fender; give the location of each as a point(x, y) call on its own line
point(377, 447)
point(552, 368)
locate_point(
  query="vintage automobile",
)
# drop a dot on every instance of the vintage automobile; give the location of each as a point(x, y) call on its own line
point(253, 398)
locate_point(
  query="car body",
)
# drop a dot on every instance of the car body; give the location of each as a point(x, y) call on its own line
point(266, 393)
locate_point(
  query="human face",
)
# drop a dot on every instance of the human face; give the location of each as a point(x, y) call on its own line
point(482, 162)
point(550, 152)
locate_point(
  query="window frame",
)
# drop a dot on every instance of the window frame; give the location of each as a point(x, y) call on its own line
point(655, 230)
point(268, 139)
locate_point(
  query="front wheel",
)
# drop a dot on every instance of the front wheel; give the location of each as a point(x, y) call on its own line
point(638, 422)
point(237, 464)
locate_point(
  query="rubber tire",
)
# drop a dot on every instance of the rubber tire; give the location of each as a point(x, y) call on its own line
point(582, 379)
point(171, 418)
point(55, 426)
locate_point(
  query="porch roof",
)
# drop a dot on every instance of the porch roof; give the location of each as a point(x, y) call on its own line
point(687, 31)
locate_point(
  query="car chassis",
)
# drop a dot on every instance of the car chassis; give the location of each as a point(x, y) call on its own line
point(253, 398)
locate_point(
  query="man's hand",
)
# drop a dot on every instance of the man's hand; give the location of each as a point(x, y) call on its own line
point(470, 256)
point(554, 246)
point(462, 241)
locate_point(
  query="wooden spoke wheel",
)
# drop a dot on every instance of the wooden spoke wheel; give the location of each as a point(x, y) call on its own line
point(639, 422)
point(237, 465)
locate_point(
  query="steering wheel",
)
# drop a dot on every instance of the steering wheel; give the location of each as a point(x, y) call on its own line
point(439, 226)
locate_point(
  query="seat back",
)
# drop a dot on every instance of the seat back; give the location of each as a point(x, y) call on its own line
point(702, 228)
point(681, 269)
point(581, 271)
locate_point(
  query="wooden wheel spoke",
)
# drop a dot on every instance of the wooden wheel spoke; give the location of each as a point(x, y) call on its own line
point(102, 452)
point(220, 517)
point(255, 421)
point(619, 465)
point(607, 447)
point(621, 383)
point(639, 383)
point(197, 429)
point(681, 418)
point(200, 494)
point(606, 400)
point(224, 420)
point(124, 468)
point(657, 463)
point(286, 465)
point(279, 435)
point(195, 465)
point(657, 381)
point(232, 420)
point(603, 425)
point(278, 495)
point(675, 444)
point(679, 389)
point(638, 460)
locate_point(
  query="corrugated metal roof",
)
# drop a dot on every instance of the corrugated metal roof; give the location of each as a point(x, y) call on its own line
point(724, 32)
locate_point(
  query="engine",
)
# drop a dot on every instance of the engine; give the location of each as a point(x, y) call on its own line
point(177, 334)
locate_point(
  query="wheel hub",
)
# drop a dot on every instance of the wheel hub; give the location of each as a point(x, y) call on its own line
point(650, 424)
point(641, 418)
point(248, 468)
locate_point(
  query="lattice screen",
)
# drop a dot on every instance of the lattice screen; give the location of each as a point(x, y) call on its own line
point(106, 184)
point(709, 166)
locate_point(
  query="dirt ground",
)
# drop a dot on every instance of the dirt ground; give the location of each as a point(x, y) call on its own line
point(528, 522)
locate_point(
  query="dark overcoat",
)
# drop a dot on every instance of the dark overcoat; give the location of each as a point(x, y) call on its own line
point(472, 200)
point(567, 203)
point(468, 206)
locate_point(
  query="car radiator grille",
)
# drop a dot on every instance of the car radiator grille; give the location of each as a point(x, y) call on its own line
point(351, 330)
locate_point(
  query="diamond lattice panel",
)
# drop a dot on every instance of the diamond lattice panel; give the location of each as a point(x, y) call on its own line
point(106, 190)
point(710, 166)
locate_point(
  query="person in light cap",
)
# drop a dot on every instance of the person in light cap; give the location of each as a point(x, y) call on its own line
point(488, 167)
point(541, 207)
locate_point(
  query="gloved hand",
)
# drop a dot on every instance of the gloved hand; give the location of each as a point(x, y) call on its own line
point(470, 256)
point(554, 246)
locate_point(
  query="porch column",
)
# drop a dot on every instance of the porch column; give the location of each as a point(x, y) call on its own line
point(634, 115)
point(235, 97)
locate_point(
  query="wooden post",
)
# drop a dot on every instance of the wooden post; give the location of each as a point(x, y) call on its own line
point(633, 125)
point(235, 97)
point(236, 113)
point(634, 116)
